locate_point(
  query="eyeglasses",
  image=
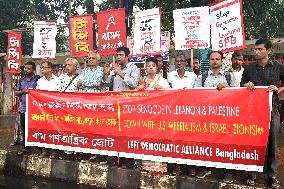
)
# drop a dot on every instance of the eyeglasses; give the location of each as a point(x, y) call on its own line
point(180, 60)
point(45, 67)
point(212, 59)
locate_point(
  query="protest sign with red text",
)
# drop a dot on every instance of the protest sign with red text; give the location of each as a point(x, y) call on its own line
point(14, 52)
point(227, 29)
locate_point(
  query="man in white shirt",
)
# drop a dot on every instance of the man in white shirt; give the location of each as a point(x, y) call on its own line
point(237, 68)
point(181, 79)
point(48, 81)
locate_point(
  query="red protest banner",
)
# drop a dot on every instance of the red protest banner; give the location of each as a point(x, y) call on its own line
point(181, 126)
point(14, 52)
point(227, 28)
point(81, 35)
point(111, 30)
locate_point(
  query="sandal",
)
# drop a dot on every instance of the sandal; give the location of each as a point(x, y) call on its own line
point(274, 183)
point(250, 180)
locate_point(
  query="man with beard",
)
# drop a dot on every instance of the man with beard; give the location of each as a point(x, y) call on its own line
point(266, 73)
point(123, 75)
point(162, 66)
point(29, 81)
point(196, 66)
point(237, 68)
point(217, 78)
point(181, 79)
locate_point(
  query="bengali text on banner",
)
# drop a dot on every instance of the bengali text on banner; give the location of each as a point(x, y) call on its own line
point(203, 127)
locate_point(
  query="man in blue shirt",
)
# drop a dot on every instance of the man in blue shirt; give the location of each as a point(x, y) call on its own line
point(29, 81)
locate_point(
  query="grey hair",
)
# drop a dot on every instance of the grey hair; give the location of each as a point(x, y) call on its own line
point(75, 62)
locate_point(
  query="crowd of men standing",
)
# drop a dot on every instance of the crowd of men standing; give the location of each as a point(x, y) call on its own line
point(124, 75)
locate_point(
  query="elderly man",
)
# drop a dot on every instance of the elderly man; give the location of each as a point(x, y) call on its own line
point(92, 75)
point(266, 73)
point(29, 81)
point(70, 80)
point(181, 79)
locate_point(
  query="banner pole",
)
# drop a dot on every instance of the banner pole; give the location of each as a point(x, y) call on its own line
point(191, 59)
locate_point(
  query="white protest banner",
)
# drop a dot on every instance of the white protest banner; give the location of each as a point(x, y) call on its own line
point(192, 29)
point(227, 29)
point(44, 46)
point(164, 49)
point(147, 32)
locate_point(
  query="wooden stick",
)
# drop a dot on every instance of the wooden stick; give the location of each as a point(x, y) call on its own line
point(191, 59)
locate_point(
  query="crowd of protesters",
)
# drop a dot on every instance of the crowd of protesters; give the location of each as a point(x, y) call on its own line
point(124, 75)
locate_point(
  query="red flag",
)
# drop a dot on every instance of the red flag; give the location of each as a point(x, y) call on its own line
point(111, 30)
point(14, 52)
point(81, 35)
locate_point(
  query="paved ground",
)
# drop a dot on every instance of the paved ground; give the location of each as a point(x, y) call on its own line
point(6, 136)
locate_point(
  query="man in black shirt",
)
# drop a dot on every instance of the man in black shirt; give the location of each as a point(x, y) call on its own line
point(266, 73)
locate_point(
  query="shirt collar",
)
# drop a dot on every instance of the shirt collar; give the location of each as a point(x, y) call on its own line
point(220, 72)
point(128, 65)
point(33, 77)
point(52, 77)
point(186, 74)
point(270, 63)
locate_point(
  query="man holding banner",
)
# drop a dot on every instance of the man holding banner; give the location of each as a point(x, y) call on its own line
point(220, 79)
point(266, 73)
point(181, 79)
point(215, 77)
point(29, 81)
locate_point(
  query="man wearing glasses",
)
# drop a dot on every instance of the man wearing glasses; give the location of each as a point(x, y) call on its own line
point(181, 79)
point(92, 75)
point(48, 81)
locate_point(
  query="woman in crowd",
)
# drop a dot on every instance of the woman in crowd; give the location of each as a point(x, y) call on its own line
point(152, 80)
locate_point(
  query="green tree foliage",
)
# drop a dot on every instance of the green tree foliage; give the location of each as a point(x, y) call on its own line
point(18, 14)
point(261, 18)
